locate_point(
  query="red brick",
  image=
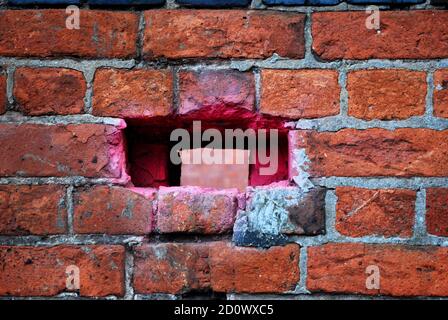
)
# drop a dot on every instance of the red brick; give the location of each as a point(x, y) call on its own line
point(402, 35)
point(404, 270)
point(253, 270)
point(43, 33)
point(113, 210)
point(437, 211)
point(41, 91)
point(3, 99)
point(299, 94)
point(34, 210)
point(386, 94)
point(176, 34)
point(441, 93)
point(196, 210)
point(41, 271)
point(182, 267)
point(90, 150)
point(375, 152)
point(132, 93)
point(222, 91)
point(364, 212)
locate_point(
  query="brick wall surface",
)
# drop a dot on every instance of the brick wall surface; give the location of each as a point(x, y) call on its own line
point(363, 113)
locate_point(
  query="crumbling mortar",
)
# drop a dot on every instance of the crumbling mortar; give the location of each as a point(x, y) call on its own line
point(343, 101)
point(75, 181)
point(420, 215)
point(54, 240)
point(303, 261)
point(336, 123)
point(129, 273)
point(10, 70)
point(176, 91)
point(17, 118)
point(258, 86)
point(429, 111)
point(89, 75)
point(413, 183)
point(171, 4)
point(70, 209)
point(275, 61)
point(140, 35)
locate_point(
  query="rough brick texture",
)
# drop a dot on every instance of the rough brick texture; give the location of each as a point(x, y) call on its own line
point(88, 150)
point(104, 34)
point(113, 210)
point(196, 210)
point(404, 270)
point(375, 152)
point(175, 268)
point(176, 34)
point(41, 271)
point(41, 91)
point(365, 212)
point(437, 211)
point(221, 93)
point(132, 93)
point(89, 125)
point(441, 93)
point(386, 94)
point(33, 210)
point(299, 93)
point(402, 35)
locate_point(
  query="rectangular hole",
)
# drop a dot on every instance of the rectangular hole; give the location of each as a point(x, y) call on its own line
point(149, 146)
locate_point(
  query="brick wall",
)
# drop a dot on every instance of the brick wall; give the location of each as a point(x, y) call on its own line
point(364, 180)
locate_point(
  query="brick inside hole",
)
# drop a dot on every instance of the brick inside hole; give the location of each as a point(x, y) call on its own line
point(149, 162)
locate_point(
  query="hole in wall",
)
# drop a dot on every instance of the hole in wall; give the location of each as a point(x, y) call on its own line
point(149, 147)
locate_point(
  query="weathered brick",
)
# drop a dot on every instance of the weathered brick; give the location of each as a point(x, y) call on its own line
point(89, 150)
point(219, 266)
point(41, 271)
point(102, 34)
point(41, 91)
point(32, 210)
point(402, 35)
point(299, 93)
point(404, 270)
point(386, 94)
point(214, 3)
point(273, 213)
point(196, 210)
point(3, 99)
point(437, 211)
point(365, 212)
point(374, 152)
point(113, 210)
point(441, 93)
point(217, 93)
point(176, 34)
point(132, 93)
